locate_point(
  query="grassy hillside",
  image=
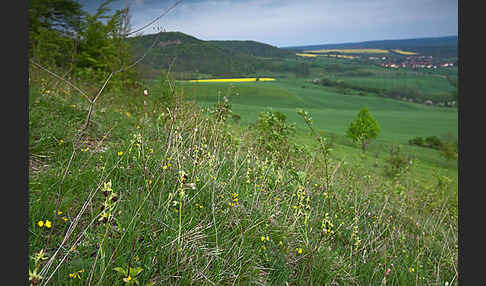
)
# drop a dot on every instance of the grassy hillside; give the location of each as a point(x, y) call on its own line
point(157, 191)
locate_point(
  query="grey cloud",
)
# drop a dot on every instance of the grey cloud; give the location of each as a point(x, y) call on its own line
point(291, 22)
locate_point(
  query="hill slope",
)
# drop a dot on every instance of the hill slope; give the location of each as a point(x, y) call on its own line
point(189, 54)
point(254, 48)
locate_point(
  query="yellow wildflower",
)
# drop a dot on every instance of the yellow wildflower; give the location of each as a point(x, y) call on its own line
point(120, 153)
point(40, 223)
point(127, 279)
point(48, 224)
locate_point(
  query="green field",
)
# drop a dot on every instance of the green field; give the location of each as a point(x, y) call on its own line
point(399, 121)
point(333, 111)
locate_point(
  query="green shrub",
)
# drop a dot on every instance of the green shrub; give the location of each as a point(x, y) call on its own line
point(419, 141)
point(397, 163)
point(274, 131)
point(449, 150)
point(433, 142)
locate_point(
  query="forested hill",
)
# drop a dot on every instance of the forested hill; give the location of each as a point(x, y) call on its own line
point(255, 48)
point(188, 54)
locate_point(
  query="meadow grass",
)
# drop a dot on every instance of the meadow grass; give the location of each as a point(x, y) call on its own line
point(162, 189)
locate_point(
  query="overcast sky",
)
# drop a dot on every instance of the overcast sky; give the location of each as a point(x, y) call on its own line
point(296, 22)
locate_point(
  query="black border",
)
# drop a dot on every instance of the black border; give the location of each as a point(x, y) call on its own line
point(15, 141)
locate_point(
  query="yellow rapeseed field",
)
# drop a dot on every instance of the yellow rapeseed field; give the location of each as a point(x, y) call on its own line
point(351, 51)
point(306, 55)
point(332, 55)
point(404, 52)
point(341, 56)
point(233, 79)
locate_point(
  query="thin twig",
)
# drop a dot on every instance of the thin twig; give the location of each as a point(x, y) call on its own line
point(154, 20)
point(59, 77)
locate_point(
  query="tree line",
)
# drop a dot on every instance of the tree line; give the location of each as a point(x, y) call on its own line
point(87, 47)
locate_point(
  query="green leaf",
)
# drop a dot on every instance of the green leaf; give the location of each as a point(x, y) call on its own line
point(121, 270)
point(135, 271)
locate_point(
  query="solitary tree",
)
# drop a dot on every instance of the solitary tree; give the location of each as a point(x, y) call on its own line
point(363, 129)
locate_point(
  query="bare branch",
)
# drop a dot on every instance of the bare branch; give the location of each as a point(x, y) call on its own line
point(156, 19)
point(59, 77)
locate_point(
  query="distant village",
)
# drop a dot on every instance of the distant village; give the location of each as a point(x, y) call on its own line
point(415, 62)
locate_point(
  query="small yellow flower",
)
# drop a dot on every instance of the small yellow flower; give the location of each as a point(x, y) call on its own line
point(61, 141)
point(268, 238)
point(411, 269)
point(299, 250)
point(59, 212)
point(120, 153)
point(263, 238)
point(294, 207)
point(151, 150)
point(48, 224)
point(127, 279)
point(64, 218)
point(40, 223)
point(165, 167)
point(280, 242)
